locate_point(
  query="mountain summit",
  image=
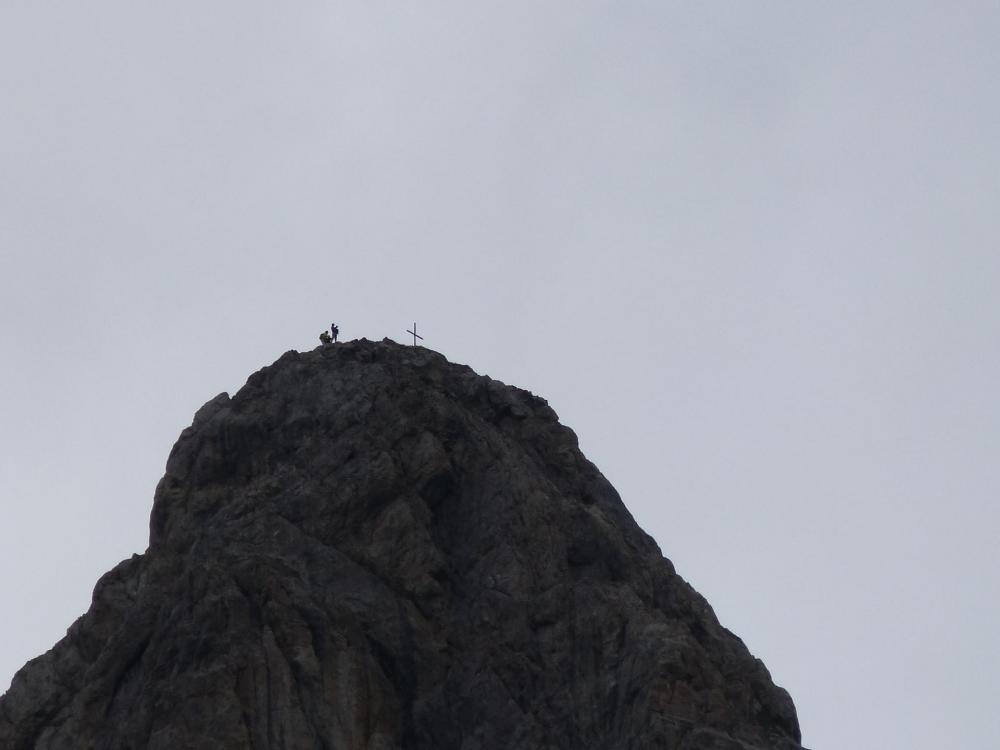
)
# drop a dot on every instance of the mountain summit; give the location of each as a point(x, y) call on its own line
point(371, 548)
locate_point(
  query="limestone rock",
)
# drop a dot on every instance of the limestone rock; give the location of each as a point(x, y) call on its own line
point(368, 547)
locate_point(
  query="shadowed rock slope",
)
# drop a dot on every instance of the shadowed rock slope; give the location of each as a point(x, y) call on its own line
point(370, 548)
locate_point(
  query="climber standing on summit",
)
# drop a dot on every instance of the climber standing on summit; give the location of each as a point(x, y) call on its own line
point(334, 331)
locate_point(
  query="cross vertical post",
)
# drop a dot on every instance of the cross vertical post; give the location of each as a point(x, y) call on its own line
point(414, 333)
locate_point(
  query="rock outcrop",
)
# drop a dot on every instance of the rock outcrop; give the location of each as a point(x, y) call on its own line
point(368, 547)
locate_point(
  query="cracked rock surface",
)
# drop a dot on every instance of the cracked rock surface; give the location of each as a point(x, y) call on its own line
point(371, 548)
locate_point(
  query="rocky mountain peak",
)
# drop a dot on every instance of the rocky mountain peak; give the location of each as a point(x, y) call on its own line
point(370, 547)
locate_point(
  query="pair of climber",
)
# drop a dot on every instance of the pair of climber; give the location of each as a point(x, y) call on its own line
point(328, 338)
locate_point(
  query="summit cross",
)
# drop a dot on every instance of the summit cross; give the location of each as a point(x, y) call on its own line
point(414, 334)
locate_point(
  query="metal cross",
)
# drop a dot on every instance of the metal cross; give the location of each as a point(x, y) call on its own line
point(415, 335)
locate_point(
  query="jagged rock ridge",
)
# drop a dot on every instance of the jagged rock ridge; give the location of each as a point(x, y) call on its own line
point(368, 547)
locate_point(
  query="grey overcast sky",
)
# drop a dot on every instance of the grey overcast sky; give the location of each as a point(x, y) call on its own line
point(747, 250)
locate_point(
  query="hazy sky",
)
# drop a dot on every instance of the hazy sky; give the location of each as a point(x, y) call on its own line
point(749, 251)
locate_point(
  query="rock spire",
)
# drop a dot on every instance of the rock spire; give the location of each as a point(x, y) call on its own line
point(371, 548)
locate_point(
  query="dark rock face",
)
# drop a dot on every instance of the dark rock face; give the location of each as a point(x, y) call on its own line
point(369, 548)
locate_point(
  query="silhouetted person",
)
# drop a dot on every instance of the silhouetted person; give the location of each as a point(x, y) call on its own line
point(325, 338)
point(334, 330)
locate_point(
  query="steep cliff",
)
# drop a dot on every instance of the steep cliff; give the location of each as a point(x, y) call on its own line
point(369, 547)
